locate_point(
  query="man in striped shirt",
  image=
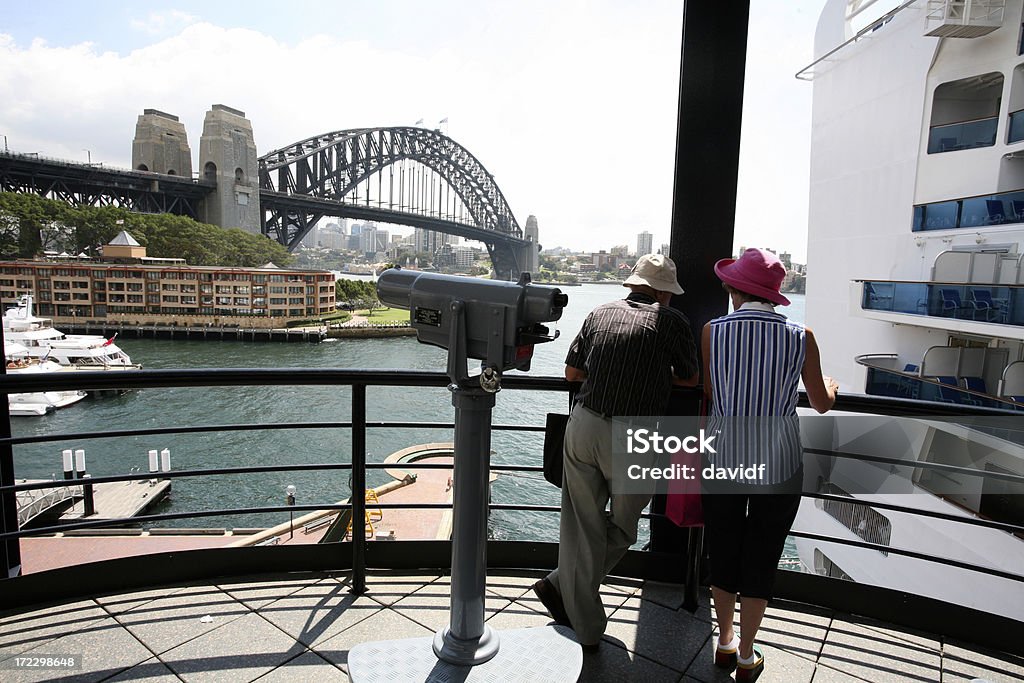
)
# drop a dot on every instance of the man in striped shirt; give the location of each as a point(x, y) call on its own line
point(628, 354)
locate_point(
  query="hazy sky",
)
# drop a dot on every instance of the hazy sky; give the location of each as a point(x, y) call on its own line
point(570, 104)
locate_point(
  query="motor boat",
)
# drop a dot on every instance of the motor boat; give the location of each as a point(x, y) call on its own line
point(19, 362)
point(42, 340)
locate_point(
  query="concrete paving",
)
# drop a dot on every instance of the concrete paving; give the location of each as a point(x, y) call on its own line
point(300, 627)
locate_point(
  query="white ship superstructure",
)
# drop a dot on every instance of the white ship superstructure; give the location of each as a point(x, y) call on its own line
point(915, 282)
point(917, 192)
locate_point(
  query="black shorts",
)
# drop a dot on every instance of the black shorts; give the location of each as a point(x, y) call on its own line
point(745, 535)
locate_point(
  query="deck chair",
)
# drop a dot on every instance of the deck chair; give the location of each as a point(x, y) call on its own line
point(878, 298)
point(996, 214)
point(1018, 209)
point(982, 300)
point(951, 302)
point(949, 144)
point(975, 384)
point(910, 387)
point(949, 391)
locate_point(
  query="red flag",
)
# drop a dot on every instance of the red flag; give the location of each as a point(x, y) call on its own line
point(111, 340)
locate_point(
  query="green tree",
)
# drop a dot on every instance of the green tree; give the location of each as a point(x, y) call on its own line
point(355, 292)
point(34, 215)
point(29, 224)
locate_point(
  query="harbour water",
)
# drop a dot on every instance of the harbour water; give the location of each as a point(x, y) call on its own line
point(274, 405)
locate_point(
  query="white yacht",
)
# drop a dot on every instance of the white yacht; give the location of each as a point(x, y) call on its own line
point(87, 351)
point(916, 287)
point(38, 402)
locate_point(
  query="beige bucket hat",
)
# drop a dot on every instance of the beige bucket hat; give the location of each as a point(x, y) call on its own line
point(657, 271)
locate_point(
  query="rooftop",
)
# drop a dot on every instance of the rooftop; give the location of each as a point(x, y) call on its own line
point(300, 627)
point(123, 239)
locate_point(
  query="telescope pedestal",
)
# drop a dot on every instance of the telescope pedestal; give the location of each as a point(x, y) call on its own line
point(468, 650)
point(467, 641)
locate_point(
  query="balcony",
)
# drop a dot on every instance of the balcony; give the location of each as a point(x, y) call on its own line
point(970, 212)
point(886, 376)
point(953, 137)
point(1000, 304)
point(177, 605)
point(1016, 130)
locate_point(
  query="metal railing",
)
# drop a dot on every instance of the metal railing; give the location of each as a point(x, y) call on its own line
point(653, 563)
point(32, 503)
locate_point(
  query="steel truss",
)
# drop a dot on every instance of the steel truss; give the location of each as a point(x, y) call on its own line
point(322, 176)
point(87, 185)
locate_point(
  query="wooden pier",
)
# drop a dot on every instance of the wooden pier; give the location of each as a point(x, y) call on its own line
point(112, 500)
point(119, 499)
point(196, 332)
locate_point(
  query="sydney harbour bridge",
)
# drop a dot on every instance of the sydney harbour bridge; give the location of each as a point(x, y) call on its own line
point(408, 176)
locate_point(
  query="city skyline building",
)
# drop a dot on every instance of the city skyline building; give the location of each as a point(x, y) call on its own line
point(373, 240)
point(644, 243)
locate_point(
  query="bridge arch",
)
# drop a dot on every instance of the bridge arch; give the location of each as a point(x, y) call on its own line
point(336, 174)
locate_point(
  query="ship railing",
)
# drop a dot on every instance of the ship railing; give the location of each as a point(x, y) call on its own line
point(997, 303)
point(965, 134)
point(1015, 131)
point(809, 72)
point(886, 379)
point(976, 211)
point(672, 554)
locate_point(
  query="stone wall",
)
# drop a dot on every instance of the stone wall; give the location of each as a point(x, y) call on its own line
point(227, 156)
point(161, 145)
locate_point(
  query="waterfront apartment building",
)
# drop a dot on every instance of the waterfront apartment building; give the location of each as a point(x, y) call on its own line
point(604, 261)
point(163, 291)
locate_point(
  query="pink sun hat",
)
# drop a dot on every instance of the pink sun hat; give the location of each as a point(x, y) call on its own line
point(756, 272)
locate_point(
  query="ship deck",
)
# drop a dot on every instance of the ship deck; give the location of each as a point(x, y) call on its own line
point(301, 627)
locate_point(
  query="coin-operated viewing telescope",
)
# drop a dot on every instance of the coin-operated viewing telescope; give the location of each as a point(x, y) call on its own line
point(493, 321)
point(497, 323)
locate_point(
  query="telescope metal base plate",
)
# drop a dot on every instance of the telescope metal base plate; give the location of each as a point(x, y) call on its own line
point(526, 655)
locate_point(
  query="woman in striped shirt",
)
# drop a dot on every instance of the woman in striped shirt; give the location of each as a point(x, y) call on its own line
point(754, 359)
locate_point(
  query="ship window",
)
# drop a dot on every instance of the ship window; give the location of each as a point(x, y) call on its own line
point(824, 566)
point(998, 499)
point(965, 113)
point(862, 520)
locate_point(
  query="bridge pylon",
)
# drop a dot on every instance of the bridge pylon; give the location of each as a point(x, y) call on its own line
point(161, 144)
point(227, 156)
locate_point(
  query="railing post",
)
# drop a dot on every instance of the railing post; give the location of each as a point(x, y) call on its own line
point(10, 549)
point(358, 498)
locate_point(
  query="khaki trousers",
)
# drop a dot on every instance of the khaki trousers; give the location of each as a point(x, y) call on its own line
point(591, 540)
